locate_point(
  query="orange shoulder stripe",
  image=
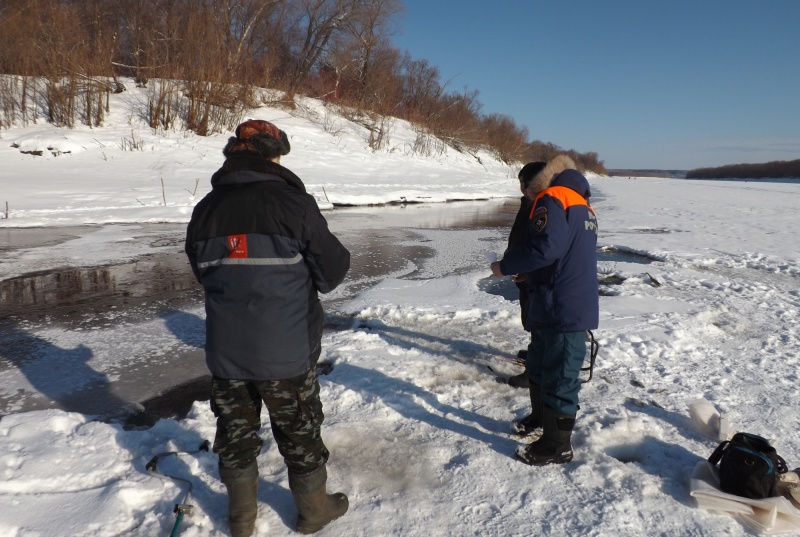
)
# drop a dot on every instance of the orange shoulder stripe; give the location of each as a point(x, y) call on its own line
point(566, 196)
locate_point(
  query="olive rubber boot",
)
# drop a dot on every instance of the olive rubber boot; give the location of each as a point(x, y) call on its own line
point(554, 446)
point(533, 421)
point(242, 485)
point(315, 507)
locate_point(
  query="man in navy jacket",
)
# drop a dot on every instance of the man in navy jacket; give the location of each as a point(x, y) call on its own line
point(560, 263)
point(263, 251)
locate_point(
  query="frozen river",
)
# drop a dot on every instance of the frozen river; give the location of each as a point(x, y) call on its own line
point(142, 310)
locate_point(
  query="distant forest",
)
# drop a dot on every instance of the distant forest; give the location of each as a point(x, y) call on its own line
point(205, 62)
point(679, 174)
point(779, 169)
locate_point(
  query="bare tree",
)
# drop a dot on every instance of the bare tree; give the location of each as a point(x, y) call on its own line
point(320, 20)
point(368, 28)
point(17, 31)
point(420, 89)
point(216, 96)
point(239, 21)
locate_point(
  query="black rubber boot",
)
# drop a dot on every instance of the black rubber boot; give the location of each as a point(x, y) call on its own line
point(242, 485)
point(533, 421)
point(315, 507)
point(554, 446)
point(519, 381)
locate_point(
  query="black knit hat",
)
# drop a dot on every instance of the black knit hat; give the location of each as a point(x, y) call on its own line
point(258, 137)
point(529, 171)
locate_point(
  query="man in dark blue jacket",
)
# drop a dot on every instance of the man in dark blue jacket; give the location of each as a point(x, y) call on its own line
point(516, 238)
point(262, 251)
point(559, 260)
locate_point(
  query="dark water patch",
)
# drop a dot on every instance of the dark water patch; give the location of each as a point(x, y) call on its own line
point(175, 403)
point(503, 287)
point(155, 275)
point(611, 253)
point(611, 279)
point(451, 215)
point(14, 238)
point(652, 231)
point(645, 231)
point(507, 289)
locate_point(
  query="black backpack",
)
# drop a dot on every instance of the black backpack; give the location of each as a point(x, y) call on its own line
point(748, 466)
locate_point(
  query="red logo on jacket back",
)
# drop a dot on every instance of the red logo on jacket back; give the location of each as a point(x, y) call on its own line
point(237, 246)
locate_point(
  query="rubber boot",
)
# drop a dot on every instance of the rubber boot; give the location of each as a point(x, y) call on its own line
point(533, 421)
point(242, 485)
point(315, 507)
point(519, 381)
point(554, 446)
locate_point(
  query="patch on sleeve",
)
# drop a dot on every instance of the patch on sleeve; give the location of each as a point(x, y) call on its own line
point(539, 219)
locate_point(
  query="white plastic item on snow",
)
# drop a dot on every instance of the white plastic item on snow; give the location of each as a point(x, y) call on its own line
point(709, 420)
point(770, 516)
point(724, 427)
point(789, 486)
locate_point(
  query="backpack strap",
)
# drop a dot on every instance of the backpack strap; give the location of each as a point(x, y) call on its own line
point(782, 467)
point(717, 455)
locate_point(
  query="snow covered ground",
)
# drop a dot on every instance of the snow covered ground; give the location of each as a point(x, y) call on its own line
point(703, 304)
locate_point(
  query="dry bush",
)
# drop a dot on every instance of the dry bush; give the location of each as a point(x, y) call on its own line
point(427, 145)
point(456, 120)
point(504, 137)
point(379, 128)
point(330, 123)
point(163, 103)
point(10, 91)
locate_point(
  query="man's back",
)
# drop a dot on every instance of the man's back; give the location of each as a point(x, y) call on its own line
point(262, 250)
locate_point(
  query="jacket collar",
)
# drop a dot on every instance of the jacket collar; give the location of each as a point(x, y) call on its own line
point(237, 163)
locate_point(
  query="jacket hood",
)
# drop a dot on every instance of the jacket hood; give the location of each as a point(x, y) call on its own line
point(238, 163)
point(561, 171)
point(575, 180)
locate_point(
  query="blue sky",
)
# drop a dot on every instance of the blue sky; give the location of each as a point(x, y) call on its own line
point(645, 84)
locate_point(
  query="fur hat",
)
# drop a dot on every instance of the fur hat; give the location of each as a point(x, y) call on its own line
point(528, 171)
point(558, 164)
point(257, 137)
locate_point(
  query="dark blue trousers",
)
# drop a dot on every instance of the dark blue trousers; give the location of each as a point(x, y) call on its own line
point(554, 363)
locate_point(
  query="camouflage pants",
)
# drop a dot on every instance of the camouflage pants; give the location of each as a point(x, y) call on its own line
point(295, 413)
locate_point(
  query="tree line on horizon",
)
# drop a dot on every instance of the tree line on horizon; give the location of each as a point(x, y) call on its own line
point(205, 62)
point(777, 169)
